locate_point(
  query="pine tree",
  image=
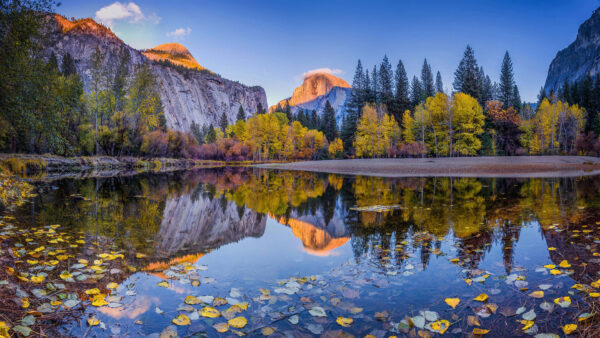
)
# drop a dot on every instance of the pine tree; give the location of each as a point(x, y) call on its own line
point(487, 87)
point(427, 80)
point(68, 65)
point(354, 105)
point(401, 98)
point(314, 120)
point(375, 83)
point(507, 82)
point(223, 123)
point(466, 76)
point(416, 91)
point(516, 99)
point(211, 135)
point(241, 114)
point(439, 86)
point(385, 80)
point(53, 63)
point(329, 123)
point(565, 93)
point(260, 109)
point(541, 95)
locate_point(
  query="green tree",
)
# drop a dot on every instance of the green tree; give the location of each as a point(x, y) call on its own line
point(439, 86)
point(416, 92)
point(329, 122)
point(223, 123)
point(427, 84)
point(466, 76)
point(402, 89)
point(241, 114)
point(507, 82)
point(67, 65)
point(211, 136)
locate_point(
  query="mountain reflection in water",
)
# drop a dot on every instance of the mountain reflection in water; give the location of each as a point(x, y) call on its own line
point(251, 226)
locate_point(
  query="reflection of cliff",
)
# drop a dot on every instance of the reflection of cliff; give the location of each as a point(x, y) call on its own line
point(204, 224)
point(318, 236)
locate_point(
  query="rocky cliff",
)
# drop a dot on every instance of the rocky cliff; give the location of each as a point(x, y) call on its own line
point(188, 95)
point(203, 224)
point(580, 58)
point(314, 93)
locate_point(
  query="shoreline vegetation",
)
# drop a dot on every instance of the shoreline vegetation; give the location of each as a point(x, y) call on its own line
point(31, 166)
point(509, 166)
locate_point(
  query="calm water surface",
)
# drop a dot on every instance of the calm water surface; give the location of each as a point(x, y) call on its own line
point(384, 252)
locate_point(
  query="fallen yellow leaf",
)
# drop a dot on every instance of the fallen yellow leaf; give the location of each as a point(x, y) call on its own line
point(569, 328)
point(181, 320)
point(452, 302)
point(237, 322)
point(344, 321)
point(221, 327)
point(210, 312)
point(481, 298)
point(537, 294)
point(478, 331)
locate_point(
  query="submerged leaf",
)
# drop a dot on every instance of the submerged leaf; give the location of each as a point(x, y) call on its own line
point(210, 312)
point(569, 328)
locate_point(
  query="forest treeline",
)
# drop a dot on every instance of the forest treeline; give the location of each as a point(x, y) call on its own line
point(45, 109)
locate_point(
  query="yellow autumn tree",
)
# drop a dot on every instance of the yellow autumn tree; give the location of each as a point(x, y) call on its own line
point(440, 124)
point(336, 148)
point(467, 124)
point(374, 132)
point(407, 124)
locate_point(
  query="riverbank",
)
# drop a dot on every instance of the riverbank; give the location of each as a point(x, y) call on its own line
point(521, 166)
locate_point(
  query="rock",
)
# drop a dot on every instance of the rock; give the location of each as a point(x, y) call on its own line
point(189, 93)
point(316, 89)
point(579, 59)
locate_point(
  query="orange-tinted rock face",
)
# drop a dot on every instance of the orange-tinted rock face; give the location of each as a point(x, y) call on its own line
point(313, 86)
point(173, 52)
point(315, 240)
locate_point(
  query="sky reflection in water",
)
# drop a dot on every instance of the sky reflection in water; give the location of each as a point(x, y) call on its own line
point(251, 228)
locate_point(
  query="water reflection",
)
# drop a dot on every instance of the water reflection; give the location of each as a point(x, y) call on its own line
point(258, 226)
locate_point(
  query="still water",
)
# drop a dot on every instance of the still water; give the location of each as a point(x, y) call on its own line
point(304, 254)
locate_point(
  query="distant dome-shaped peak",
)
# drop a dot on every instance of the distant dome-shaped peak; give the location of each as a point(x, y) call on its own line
point(175, 53)
point(172, 48)
point(333, 80)
point(316, 84)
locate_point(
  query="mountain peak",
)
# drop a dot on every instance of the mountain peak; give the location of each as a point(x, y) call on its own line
point(85, 26)
point(174, 52)
point(315, 85)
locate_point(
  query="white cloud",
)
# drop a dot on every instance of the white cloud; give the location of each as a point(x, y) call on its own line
point(123, 11)
point(180, 32)
point(322, 70)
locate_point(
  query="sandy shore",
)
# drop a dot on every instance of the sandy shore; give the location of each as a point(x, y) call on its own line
point(521, 166)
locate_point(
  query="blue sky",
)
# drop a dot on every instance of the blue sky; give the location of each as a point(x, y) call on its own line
point(272, 43)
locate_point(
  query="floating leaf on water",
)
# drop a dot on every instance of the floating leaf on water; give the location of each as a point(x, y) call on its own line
point(221, 327)
point(473, 321)
point(191, 300)
point(545, 286)
point(93, 321)
point(555, 272)
point(430, 316)
point(317, 311)
point(452, 302)
point(537, 294)
point(584, 316)
point(210, 312)
point(478, 331)
point(294, 319)
point(93, 291)
point(218, 301)
point(440, 326)
point(569, 328)
point(550, 266)
point(28, 320)
point(418, 321)
point(564, 264)
point(527, 324)
point(344, 321)
point(112, 285)
point(181, 320)
point(356, 310)
point(481, 298)
point(238, 322)
point(24, 330)
point(529, 315)
point(164, 284)
point(267, 331)
point(563, 302)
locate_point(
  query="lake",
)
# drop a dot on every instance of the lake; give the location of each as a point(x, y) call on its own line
point(302, 254)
